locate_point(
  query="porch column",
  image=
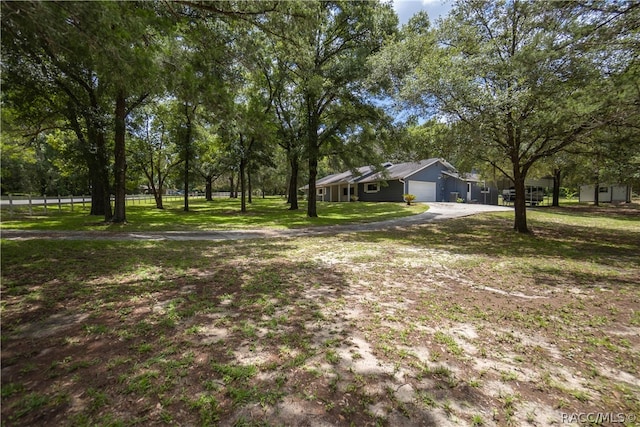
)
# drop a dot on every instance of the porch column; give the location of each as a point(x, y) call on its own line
point(348, 192)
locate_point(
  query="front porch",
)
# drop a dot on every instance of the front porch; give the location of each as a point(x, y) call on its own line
point(337, 193)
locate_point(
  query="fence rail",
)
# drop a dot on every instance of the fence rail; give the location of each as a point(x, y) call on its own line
point(31, 203)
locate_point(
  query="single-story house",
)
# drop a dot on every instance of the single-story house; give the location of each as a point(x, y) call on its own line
point(617, 193)
point(431, 180)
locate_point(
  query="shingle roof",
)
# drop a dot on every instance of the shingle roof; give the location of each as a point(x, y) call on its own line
point(469, 177)
point(345, 177)
point(403, 170)
point(391, 172)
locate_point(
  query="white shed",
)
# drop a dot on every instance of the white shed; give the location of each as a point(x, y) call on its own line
point(617, 193)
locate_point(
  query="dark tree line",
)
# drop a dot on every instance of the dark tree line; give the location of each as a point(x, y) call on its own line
point(222, 70)
point(189, 90)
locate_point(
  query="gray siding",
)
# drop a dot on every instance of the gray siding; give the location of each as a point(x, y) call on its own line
point(430, 174)
point(446, 185)
point(452, 185)
point(392, 192)
point(477, 196)
point(433, 173)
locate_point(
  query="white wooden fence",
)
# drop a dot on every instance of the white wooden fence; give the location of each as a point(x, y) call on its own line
point(44, 203)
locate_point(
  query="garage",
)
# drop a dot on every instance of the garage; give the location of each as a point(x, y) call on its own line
point(424, 191)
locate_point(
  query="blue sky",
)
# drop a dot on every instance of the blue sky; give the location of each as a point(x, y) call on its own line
point(435, 8)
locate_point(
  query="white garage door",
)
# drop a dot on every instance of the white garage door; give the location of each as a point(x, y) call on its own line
point(424, 191)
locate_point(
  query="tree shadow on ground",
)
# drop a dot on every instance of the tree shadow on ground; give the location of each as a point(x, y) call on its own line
point(198, 333)
point(627, 211)
point(492, 236)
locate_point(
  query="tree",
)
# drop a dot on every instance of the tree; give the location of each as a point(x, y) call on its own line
point(89, 59)
point(152, 150)
point(129, 62)
point(256, 134)
point(40, 157)
point(200, 64)
point(50, 73)
point(519, 80)
point(212, 161)
point(609, 156)
point(327, 47)
point(246, 136)
point(287, 108)
point(270, 64)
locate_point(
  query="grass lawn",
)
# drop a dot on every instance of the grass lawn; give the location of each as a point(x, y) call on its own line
point(271, 212)
point(457, 323)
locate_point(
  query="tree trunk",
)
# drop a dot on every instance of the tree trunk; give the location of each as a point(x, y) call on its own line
point(513, 137)
point(187, 155)
point(120, 164)
point(100, 203)
point(98, 165)
point(293, 183)
point(596, 194)
point(157, 195)
point(243, 184)
point(151, 178)
point(208, 190)
point(186, 182)
point(557, 175)
point(97, 185)
point(249, 186)
point(314, 155)
point(157, 192)
point(312, 211)
point(520, 206)
point(95, 153)
point(100, 192)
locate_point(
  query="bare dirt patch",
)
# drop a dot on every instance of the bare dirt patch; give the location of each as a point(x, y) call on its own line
point(429, 326)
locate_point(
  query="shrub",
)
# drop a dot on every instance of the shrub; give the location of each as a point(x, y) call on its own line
point(409, 198)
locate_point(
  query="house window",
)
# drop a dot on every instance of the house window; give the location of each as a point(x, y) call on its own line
point(320, 191)
point(603, 190)
point(344, 191)
point(372, 188)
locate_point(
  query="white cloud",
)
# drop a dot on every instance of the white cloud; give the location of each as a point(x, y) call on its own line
point(434, 8)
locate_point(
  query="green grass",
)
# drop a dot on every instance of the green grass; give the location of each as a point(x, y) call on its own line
point(449, 342)
point(196, 333)
point(271, 212)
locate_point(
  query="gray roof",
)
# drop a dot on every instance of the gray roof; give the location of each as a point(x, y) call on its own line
point(468, 177)
point(344, 177)
point(391, 172)
point(400, 171)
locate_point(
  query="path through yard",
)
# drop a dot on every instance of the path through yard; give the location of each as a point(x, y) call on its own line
point(436, 212)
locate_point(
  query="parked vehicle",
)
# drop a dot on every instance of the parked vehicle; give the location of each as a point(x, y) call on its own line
point(533, 195)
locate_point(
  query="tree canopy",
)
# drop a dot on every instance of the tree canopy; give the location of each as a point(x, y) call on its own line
point(128, 91)
point(518, 81)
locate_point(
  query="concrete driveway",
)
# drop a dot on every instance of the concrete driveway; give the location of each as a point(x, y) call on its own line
point(437, 212)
